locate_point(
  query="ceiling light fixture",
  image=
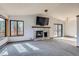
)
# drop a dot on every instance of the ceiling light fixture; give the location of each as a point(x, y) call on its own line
point(46, 10)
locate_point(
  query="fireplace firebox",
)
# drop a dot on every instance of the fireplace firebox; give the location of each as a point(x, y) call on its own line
point(45, 34)
point(39, 34)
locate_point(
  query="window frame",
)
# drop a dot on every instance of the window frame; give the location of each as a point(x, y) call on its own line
point(17, 28)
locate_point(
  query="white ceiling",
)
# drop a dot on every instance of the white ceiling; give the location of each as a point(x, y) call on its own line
point(59, 10)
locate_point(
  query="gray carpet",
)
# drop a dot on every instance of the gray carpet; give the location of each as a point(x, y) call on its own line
point(40, 48)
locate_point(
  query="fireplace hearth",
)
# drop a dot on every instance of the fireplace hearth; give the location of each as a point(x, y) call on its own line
point(41, 32)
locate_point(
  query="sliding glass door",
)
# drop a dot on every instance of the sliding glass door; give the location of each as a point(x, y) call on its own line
point(2, 27)
point(58, 30)
point(16, 28)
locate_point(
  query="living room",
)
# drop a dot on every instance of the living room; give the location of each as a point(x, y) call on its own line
point(39, 26)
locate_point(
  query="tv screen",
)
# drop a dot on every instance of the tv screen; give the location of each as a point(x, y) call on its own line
point(42, 21)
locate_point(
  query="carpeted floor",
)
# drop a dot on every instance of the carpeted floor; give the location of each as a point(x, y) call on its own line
point(55, 47)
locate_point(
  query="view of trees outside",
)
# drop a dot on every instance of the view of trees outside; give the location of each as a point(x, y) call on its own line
point(16, 28)
point(13, 28)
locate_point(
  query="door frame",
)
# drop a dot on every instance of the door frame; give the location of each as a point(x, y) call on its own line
point(61, 29)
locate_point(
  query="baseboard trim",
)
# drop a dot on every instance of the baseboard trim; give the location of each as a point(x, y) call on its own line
point(70, 36)
point(20, 41)
point(77, 46)
point(51, 37)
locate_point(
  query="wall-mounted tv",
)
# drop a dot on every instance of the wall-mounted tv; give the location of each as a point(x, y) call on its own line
point(42, 21)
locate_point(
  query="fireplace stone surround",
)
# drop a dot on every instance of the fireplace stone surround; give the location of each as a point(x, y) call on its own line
point(41, 33)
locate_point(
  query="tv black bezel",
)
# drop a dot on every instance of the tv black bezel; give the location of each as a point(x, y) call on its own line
point(43, 22)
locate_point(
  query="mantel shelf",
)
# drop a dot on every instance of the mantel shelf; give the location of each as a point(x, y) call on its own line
point(40, 27)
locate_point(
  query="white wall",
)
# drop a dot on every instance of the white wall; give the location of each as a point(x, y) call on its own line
point(71, 27)
point(55, 21)
point(30, 21)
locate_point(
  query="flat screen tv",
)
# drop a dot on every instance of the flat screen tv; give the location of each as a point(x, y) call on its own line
point(42, 21)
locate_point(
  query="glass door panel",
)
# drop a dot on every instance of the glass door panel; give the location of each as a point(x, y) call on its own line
point(2, 27)
point(55, 30)
point(58, 30)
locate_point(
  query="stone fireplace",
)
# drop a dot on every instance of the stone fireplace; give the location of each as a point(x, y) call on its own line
point(41, 32)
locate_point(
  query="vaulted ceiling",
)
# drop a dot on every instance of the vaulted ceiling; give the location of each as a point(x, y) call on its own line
point(59, 10)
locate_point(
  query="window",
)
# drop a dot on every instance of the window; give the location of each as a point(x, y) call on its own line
point(13, 28)
point(20, 28)
point(16, 28)
point(2, 27)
